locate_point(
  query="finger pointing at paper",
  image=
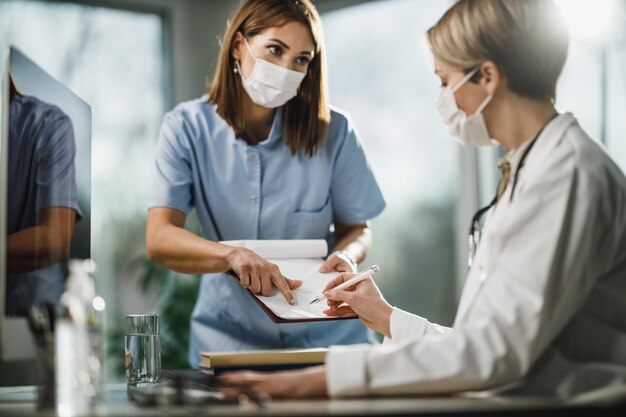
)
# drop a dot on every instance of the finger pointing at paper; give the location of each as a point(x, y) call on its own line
point(260, 276)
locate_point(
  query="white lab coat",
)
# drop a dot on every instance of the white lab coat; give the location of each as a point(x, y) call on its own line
point(543, 310)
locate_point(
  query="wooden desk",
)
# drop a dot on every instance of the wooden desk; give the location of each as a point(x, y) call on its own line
point(21, 401)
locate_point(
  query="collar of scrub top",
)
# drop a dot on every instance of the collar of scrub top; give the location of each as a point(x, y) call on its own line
point(275, 136)
point(515, 159)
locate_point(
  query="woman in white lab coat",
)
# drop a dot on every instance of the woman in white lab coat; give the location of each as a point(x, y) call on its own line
point(543, 311)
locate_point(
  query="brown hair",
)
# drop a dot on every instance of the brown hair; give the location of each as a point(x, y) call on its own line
point(526, 39)
point(307, 115)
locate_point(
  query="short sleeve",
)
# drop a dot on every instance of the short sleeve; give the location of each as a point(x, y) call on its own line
point(56, 173)
point(173, 181)
point(355, 193)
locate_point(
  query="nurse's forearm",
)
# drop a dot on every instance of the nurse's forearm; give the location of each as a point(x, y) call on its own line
point(356, 240)
point(180, 250)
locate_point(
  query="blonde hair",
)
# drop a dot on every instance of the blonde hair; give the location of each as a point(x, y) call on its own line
point(306, 116)
point(526, 39)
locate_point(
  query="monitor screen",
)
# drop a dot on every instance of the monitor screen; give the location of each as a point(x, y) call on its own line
point(45, 194)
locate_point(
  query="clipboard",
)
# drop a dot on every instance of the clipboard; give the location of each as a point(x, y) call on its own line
point(279, 320)
point(297, 259)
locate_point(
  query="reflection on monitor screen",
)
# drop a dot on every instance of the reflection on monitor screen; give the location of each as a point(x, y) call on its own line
point(45, 177)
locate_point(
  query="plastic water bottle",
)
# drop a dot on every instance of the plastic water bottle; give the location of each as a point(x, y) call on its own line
point(79, 343)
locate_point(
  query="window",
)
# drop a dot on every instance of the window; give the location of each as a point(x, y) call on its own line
point(593, 83)
point(379, 75)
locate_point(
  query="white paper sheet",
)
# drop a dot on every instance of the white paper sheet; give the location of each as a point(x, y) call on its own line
point(296, 259)
point(283, 249)
point(313, 282)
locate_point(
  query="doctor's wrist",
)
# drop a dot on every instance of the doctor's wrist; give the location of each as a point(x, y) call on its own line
point(386, 326)
point(381, 318)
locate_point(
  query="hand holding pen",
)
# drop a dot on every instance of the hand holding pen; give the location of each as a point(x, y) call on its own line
point(354, 294)
point(355, 279)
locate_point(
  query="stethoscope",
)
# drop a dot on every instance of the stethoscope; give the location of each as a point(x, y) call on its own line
point(474, 232)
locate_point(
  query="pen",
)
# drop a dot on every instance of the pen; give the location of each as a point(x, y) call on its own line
point(366, 273)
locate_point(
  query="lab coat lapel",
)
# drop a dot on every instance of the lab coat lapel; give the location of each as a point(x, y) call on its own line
point(545, 144)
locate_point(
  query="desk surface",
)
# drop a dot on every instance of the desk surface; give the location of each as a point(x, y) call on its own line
point(21, 401)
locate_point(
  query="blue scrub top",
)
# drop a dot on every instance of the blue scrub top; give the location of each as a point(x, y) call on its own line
point(261, 191)
point(41, 175)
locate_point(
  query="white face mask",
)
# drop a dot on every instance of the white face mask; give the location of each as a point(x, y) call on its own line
point(468, 130)
point(270, 85)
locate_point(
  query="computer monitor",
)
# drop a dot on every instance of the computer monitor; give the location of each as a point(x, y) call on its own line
point(45, 194)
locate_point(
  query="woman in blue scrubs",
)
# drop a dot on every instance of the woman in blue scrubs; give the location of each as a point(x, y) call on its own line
point(262, 156)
